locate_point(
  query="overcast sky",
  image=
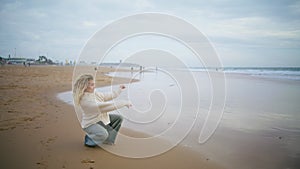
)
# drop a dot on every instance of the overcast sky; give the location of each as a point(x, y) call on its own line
point(244, 33)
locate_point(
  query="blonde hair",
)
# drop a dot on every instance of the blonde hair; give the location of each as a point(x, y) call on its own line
point(79, 87)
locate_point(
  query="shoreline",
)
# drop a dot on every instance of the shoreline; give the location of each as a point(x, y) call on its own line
point(40, 131)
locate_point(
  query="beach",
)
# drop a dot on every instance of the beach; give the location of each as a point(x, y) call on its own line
point(38, 130)
point(259, 127)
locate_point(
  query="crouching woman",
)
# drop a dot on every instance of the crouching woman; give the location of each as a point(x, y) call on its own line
point(92, 111)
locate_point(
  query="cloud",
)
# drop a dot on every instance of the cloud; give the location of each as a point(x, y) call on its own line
point(143, 4)
point(295, 8)
point(252, 27)
point(63, 26)
point(10, 6)
point(89, 23)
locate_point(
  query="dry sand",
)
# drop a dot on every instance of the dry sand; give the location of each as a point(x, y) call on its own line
point(39, 131)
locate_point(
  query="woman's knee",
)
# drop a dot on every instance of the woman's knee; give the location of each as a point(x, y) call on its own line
point(99, 136)
point(102, 136)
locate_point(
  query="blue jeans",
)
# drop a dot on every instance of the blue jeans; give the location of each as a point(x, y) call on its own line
point(99, 133)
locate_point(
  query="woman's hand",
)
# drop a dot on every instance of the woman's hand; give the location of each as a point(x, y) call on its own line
point(129, 104)
point(122, 86)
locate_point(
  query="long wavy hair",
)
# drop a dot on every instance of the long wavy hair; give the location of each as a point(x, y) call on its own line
point(79, 87)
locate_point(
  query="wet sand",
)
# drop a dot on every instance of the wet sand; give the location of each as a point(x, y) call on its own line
point(39, 131)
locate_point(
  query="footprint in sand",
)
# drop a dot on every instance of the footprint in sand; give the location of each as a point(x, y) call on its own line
point(46, 143)
point(42, 164)
point(87, 161)
point(12, 123)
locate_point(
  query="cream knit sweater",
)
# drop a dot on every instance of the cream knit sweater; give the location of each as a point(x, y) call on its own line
point(95, 107)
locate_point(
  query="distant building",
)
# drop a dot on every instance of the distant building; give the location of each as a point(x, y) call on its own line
point(16, 61)
point(31, 61)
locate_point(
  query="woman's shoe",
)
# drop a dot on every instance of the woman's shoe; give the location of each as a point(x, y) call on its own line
point(89, 142)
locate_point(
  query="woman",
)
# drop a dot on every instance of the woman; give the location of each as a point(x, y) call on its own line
point(100, 127)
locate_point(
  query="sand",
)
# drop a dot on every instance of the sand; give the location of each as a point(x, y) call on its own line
point(39, 131)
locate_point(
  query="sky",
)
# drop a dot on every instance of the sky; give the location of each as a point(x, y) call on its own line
point(244, 33)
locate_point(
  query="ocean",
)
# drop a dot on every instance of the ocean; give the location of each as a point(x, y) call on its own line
point(288, 73)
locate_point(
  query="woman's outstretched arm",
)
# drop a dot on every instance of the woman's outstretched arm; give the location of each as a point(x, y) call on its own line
point(103, 97)
point(111, 106)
